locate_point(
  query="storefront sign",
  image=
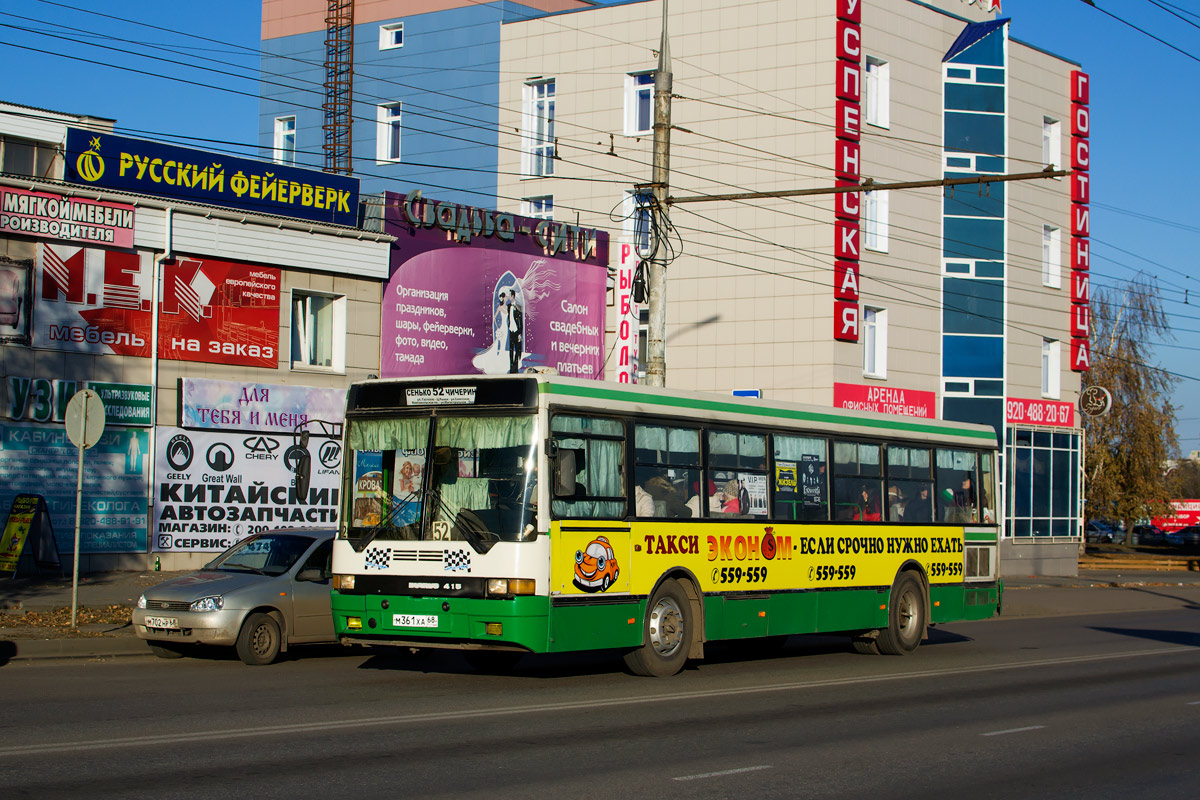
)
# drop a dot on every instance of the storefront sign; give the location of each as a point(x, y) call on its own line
point(98, 301)
point(1020, 411)
point(848, 91)
point(527, 294)
point(213, 489)
point(623, 364)
point(45, 400)
point(1184, 513)
point(72, 219)
point(233, 405)
point(885, 400)
point(137, 165)
point(1095, 401)
point(1081, 226)
point(40, 459)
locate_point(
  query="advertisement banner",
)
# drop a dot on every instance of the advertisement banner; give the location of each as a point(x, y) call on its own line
point(885, 400)
point(225, 405)
point(99, 301)
point(475, 291)
point(16, 300)
point(1021, 411)
point(1184, 513)
point(40, 459)
point(73, 219)
point(214, 489)
point(46, 399)
point(219, 179)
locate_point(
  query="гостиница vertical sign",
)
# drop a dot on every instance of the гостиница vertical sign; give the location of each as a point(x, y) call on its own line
point(144, 167)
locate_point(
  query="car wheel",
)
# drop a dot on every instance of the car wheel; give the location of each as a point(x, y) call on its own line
point(667, 635)
point(166, 649)
point(906, 618)
point(607, 583)
point(258, 643)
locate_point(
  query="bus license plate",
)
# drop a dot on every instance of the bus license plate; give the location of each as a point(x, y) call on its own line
point(414, 620)
point(161, 622)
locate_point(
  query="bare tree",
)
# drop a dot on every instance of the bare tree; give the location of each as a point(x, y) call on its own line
point(1127, 448)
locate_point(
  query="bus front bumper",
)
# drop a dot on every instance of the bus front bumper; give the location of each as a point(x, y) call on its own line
point(518, 623)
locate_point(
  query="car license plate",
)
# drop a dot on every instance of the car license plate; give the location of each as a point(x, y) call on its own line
point(414, 620)
point(161, 622)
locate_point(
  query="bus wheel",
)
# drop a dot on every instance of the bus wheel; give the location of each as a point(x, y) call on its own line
point(906, 618)
point(667, 635)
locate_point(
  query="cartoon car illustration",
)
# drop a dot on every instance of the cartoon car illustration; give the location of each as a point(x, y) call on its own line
point(595, 566)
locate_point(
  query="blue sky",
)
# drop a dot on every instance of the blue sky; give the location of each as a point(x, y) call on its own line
point(1144, 211)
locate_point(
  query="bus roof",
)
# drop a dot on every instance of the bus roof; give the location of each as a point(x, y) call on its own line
point(703, 406)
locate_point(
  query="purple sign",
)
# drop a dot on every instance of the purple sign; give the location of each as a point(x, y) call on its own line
point(474, 291)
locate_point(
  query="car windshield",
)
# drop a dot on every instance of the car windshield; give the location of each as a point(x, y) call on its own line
point(473, 479)
point(266, 554)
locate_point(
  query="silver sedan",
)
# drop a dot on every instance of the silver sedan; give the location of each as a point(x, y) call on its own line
point(266, 592)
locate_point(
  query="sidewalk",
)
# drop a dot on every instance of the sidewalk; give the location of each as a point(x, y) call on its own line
point(1092, 592)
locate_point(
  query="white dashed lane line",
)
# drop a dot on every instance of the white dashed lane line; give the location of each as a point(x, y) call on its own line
point(1014, 730)
point(723, 772)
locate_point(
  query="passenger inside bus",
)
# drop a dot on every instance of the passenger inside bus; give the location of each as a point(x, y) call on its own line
point(656, 496)
point(868, 506)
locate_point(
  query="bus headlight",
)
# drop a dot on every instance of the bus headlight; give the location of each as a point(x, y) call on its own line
point(343, 583)
point(508, 587)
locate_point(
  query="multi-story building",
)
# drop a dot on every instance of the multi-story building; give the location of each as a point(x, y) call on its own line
point(260, 321)
point(966, 302)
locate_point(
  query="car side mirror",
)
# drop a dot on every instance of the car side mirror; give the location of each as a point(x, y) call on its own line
point(310, 575)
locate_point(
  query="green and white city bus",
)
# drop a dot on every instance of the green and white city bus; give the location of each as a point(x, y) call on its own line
point(539, 514)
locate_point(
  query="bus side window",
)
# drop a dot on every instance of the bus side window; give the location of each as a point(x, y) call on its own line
point(801, 478)
point(957, 501)
point(666, 472)
point(598, 446)
point(857, 482)
point(737, 474)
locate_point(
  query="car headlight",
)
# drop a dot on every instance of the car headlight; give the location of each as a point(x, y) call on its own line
point(141, 603)
point(215, 603)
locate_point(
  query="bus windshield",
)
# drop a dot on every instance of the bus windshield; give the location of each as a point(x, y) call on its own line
point(464, 478)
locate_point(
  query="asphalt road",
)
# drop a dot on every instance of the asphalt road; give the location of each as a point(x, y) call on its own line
point(1080, 706)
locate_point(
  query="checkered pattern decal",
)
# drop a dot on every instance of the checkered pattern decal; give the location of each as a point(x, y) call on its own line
point(456, 561)
point(377, 558)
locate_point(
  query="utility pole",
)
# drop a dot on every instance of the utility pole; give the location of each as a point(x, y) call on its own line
point(656, 268)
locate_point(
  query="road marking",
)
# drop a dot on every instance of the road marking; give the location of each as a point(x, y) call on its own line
point(1194, 703)
point(703, 775)
point(1014, 730)
point(47, 748)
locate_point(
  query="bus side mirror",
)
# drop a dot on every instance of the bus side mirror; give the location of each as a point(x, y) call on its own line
point(303, 475)
point(564, 473)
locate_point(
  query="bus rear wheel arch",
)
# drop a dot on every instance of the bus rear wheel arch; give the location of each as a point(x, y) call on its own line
point(908, 616)
point(669, 629)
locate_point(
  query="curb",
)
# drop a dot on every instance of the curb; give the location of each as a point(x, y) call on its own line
point(23, 650)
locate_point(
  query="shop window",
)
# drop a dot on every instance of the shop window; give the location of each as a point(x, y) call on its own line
point(537, 153)
point(318, 331)
point(639, 103)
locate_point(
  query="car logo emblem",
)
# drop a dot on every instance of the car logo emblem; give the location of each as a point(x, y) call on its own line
point(261, 444)
point(220, 456)
point(330, 454)
point(179, 452)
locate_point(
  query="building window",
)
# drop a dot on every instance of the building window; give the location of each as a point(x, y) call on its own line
point(1051, 355)
point(538, 152)
point(387, 141)
point(391, 36)
point(639, 103)
point(636, 225)
point(27, 157)
point(318, 331)
point(874, 338)
point(1051, 142)
point(285, 140)
point(878, 91)
point(538, 207)
point(875, 221)
point(1051, 257)
point(1042, 491)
